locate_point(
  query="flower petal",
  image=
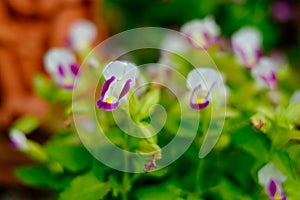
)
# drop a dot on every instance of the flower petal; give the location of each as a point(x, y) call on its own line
point(272, 188)
point(125, 89)
point(105, 86)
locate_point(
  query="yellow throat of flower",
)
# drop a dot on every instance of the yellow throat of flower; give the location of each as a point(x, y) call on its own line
point(67, 81)
point(109, 99)
point(199, 100)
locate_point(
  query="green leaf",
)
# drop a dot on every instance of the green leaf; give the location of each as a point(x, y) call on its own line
point(86, 187)
point(149, 99)
point(252, 142)
point(26, 124)
point(43, 86)
point(293, 112)
point(34, 175)
point(72, 157)
point(42, 177)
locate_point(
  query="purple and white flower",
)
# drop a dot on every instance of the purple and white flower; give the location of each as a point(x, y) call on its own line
point(120, 78)
point(62, 65)
point(18, 140)
point(246, 44)
point(201, 33)
point(202, 82)
point(82, 33)
point(264, 73)
point(271, 178)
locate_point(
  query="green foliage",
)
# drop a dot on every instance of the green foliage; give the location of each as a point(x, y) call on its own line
point(26, 124)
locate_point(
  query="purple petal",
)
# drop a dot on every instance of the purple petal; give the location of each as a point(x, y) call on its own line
point(272, 188)
point(125, 89)
point(107, 106)
point(61, 70)
point(106, 86)
point(74, 69)
point(259, 54)
point(200, 106)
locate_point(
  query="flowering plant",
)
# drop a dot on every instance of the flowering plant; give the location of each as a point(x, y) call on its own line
point(255, 157)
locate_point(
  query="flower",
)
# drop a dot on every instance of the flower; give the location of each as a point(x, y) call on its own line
point(18, 140)
point(271, 178)
point(201, 33)
point(202, 82)
point(82, 33)
point(264, 73)
point(295, 97)
point(61, 64)
point(246, 44)
point(120, 77)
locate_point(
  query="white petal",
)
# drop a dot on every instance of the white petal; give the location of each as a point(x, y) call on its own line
point(82, 34)
point(58, 56)
point(247, 37)
point(174, 42)
point(211, 26)
point(295, 97)
point(122, 70)
point(19, 139)
point(204, 76)
point(268, 172)
point(264, 68)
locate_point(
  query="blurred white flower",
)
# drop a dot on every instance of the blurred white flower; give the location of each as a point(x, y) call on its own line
point(201, 33)
point(18, 140)
point(246, 44)
point(62, 65)
point(202, 82)
point(82, 33)
point(295, 97)
point(264, 73)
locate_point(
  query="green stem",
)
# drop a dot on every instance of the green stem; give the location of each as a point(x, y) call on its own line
point(199, 174)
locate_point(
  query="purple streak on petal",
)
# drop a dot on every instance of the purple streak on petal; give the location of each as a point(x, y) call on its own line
point(243, 56)
point(107, 106)
point(125, 89)
point(192, 42)
point(106, 86)
point(61, 70)
point(74, 69)
point(13, 144)
point(272, 188)
point(208, 40)
point(258, 54)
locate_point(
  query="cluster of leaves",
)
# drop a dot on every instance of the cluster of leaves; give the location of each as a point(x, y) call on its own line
point(230, 170)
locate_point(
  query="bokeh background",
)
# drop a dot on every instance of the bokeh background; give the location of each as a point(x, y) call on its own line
point(29, 27)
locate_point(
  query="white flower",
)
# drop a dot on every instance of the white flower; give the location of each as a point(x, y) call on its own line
point(62, 65)
point(82, 33)
point(120, 78)
point(264, 73)
point(202, 82)
point(18, 140)
point(271, 178)
point(246, 44)
point(201, 33)
point(295, 97)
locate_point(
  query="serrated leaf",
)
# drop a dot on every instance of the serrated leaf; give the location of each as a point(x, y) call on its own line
point(86, 187)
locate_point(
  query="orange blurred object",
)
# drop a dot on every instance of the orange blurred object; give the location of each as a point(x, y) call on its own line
point(27, 29)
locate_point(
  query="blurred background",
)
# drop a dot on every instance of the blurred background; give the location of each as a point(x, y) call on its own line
point(29, 27)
